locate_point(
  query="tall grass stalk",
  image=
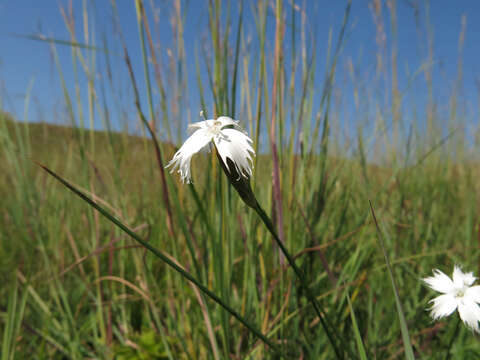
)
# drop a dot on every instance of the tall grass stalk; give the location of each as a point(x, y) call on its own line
point(162, 257)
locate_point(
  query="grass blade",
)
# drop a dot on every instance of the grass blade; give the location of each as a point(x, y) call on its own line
point(358, 338)
point(8, 337)
point(164, 258)
point(401, 316)
point(60, 42)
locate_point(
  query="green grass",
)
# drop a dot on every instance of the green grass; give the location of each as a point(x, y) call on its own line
point(74, 285)
point(91, 291)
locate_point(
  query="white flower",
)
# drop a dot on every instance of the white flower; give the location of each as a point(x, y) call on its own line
point(229, 139)
point(457, 294)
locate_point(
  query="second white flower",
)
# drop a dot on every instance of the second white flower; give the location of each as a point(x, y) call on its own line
point(457, 294)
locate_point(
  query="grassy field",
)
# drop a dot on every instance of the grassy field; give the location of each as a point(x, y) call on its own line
point(74, 285)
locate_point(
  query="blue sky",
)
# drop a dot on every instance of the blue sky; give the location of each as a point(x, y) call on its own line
point(26, 63)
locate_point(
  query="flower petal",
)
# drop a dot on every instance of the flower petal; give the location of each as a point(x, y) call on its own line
point(226, 121)
point(199, 125)
point(236, 146)
point(439, 282)
point(443, 305)
point(473, 293)
point(469, 312)
point(181, 160)
point(460, 278)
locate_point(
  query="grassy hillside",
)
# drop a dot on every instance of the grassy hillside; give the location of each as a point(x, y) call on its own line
point(82, 288)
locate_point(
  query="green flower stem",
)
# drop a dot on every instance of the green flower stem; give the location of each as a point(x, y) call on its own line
point(166, 260)
point(268, 223)
point(242, 185)
point(452, 339)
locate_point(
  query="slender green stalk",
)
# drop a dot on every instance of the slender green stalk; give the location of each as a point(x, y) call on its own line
point(8, 338)
point(268, 223)
point(158, 149)
point(242, 185)
point(452, 339)
point(407, 345)
point(277, 193)
point(358, 337)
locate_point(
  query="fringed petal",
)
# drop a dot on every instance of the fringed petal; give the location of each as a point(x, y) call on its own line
point(182, 158)
point(236, 146)
point(440, 282)
point(442, 306)
point(469, 313)
point(461, 279)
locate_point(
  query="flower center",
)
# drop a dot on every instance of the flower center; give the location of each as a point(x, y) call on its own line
point(215, 128)
point(460, 293)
